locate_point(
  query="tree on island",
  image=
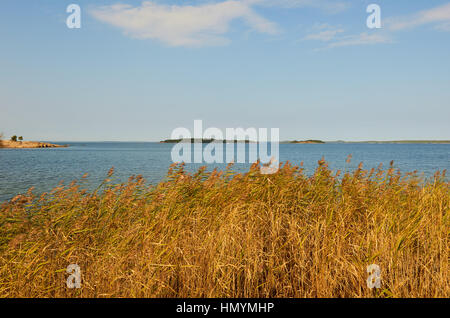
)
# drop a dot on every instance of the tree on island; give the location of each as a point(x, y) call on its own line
point(14, 138)
point(20, 138)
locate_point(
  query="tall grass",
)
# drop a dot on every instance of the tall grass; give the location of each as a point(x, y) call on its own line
point(218, 234)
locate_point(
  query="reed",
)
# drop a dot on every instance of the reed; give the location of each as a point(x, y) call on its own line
point(221, 234)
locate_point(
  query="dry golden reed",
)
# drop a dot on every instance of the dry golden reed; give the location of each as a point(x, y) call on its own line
point(219, 234)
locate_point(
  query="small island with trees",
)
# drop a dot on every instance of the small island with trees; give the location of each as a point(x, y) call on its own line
point(306, 142)
point(192, 140)
point(206, 141)
point(19, 143)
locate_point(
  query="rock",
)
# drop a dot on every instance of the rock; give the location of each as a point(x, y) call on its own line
point(27, 144)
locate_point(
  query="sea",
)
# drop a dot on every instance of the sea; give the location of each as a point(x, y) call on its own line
point(44, 169)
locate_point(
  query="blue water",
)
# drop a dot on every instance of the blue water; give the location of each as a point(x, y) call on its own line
point(43, 169)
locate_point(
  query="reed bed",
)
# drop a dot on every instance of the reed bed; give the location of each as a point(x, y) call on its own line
point(221, 234)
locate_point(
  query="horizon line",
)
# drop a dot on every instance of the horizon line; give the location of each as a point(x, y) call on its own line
point(286, 140)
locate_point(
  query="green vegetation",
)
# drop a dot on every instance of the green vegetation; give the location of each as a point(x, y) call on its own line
point(14, 138)
point(307, 142)
point(221, 234)
point(193, 140)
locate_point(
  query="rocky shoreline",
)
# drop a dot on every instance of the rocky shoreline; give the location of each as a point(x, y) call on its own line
point(28, 144)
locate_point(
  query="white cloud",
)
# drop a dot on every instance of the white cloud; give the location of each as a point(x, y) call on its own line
point(443, 27)
point(333, 36)
point(324, 33)
point(360, 39)
point(331, 6)
point(439, 14)
point(324, 36)
point(207, 23)
point(175, 25)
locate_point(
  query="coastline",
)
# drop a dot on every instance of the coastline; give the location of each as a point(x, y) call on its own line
point(28, 144)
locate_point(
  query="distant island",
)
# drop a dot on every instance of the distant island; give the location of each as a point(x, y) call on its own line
point(313, 141)
point(305, 142)
point(394, 142)
point(206, 141)
point(193, 140)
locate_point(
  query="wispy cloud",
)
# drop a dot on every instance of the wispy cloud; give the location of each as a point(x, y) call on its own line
point(443, 27)
point(330, 6)
point(201, 25)
point(363, 38)
point(324, 32)
point(439, 16)
point(334, 37)
point(207, 23)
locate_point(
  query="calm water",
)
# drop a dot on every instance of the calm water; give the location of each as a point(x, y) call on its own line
point(21, 169)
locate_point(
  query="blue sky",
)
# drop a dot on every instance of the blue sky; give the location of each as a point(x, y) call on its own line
point(135, 71)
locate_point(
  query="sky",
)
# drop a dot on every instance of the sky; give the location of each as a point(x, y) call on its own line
point(137, 70)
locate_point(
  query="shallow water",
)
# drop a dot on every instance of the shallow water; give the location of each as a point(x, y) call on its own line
point(43, 169)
